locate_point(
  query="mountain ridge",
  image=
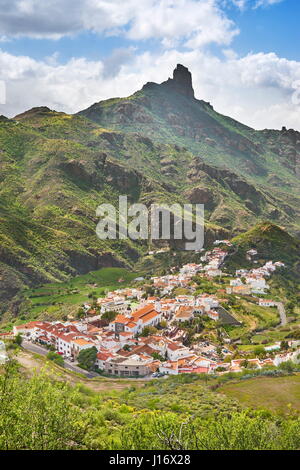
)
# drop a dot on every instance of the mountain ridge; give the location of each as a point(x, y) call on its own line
point(159, 145)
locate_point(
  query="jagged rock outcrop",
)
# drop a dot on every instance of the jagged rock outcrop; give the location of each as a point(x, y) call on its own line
point(158, 145)
point(181, 81)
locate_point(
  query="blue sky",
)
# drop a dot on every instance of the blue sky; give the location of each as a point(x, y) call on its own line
point(273, 28)
point(243, 54)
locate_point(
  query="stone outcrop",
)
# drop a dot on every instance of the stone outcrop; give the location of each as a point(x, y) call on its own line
point(181, 81)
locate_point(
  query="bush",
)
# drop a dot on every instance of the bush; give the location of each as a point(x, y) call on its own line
point(87, 357)
point(18, 339)
point(289, 366)
point(57, 358)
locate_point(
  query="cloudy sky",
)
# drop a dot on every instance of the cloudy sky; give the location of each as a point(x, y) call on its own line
point(67, 54)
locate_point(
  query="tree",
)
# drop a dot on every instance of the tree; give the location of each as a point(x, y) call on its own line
point(87, 357)
point(150, 291)
point(109, 316)
point(57, 358)
point(38, 413)
point(239, 431)
point(18, 339)
point(92, 295)
point(259, 351)
point(148, 331)
point(80, 313)
point(284, 345)
point(295, 334)
point(287, 366)
point(245, 363)
point(158, 357)
point(291, 305)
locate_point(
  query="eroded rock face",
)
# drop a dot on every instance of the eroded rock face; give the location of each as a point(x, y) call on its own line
point(181, 81)
point(202, 195)
point(286, 144)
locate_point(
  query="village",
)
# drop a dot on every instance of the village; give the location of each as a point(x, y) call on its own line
point(137, 334)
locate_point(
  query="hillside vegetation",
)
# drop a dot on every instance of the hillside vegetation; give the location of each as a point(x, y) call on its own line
point(272, 243)
point(179, 414)
point(159, 145)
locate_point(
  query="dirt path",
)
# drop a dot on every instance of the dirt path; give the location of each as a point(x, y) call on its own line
point(282, 313)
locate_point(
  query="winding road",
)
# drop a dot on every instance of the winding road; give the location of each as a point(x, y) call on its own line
point(282, 313)
point(35, 348)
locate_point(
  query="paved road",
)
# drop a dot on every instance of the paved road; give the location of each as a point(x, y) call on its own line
point(35, 348)
point(282, 313)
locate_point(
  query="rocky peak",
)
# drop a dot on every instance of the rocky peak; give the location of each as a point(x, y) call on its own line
point(181, 81)
point(36, 111)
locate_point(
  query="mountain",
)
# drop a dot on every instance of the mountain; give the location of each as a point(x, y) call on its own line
point(272, 243)
point(159, 145)
point(264, 165)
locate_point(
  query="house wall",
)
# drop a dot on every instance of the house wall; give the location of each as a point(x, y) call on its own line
point(126, 370)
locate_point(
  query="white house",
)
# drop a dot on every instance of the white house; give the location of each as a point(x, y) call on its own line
point(252, 252)
point(176, 351)
point(80, 343)
point(267, 303)
point(258, 284)
point(236, 282)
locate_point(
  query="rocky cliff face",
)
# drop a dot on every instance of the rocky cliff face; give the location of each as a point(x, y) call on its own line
point(286, 145)
point(158, 145)
point(169, 112)
point(181, 82)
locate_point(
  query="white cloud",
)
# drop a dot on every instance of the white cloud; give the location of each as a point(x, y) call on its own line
point(257, 89)
point(193, 22)
point(243, 4)
point(265, 3)
point(239, 3)
point(197, 22)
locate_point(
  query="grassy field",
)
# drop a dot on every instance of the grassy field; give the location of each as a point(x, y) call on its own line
point(75, 292)
point(55, 301)
point(277, 394)
point(253, 318)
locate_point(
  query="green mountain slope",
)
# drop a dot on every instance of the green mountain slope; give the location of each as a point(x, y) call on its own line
point(230, 199)
point(50, 188)
point(170, 113)
point(159, 145)
point(272, 243)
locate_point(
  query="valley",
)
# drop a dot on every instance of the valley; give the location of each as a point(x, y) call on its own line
point(159, 145)
point(136, 344)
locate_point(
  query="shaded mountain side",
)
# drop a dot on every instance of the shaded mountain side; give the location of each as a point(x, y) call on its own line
point(169, 112)
point(232, 201)
point(286, 144)
point(49, 191)
point(159, 145)
point(272, 243)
